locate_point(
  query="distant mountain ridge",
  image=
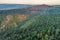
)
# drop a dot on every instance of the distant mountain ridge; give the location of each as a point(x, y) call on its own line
point(27, 9)
point(12, 6)
point(39, 7)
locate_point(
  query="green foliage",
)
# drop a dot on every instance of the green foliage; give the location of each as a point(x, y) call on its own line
point(40, 27)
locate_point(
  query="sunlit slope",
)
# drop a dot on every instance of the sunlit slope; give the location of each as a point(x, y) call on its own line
point(40, 27)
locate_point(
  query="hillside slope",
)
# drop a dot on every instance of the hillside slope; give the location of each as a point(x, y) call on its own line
point(40, 27)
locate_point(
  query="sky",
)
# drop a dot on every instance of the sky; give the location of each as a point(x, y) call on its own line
point(49, 2)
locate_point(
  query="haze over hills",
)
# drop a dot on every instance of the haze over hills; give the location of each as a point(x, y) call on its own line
point(21, 8)
point(12, 6)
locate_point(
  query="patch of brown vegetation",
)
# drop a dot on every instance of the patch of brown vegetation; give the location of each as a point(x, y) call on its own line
point(21, 17)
